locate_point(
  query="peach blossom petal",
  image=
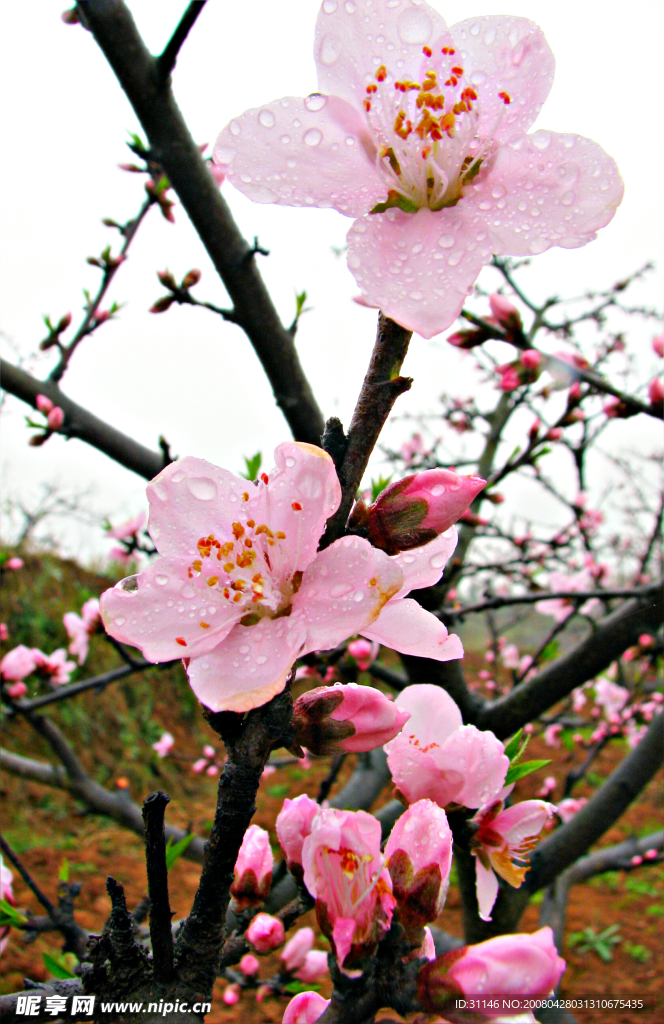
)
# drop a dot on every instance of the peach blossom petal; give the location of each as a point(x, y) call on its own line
point(405, 626)
point(486, 887)
point(423, 566)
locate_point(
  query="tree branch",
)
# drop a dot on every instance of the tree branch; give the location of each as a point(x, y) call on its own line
point(161, 935)
point(83, 424)
point(166, 60)
point(611, 636)
point(172, 146)
point(544, 595)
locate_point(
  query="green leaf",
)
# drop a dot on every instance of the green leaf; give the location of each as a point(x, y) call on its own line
point(295, 987)
point(63, 873)
point(300, 299)
point(9, 915)
point(57, 967)
point(136, 142)
point(175, 850)
point(519, 771)
point(551, 651)
point(253, 465)
point(379, 485)
point(395, 199)
point(515, 749)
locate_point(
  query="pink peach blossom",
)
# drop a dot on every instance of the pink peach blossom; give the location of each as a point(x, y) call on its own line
point(570, 806)
point(658, 345)
point(16, 690)
point(14, 563)
point(131, 528)
point(293, 825)
point(55, 666)
point(305, 1008)
point(438, 758)
point(345, 872)
point(314, 967)
point(560, 608)
point(510, 656)
point(231, 995)
point(249, 965)
point(81, 627)
point(17, 663)
point(364, 652)
point(253, 868)
point(164, 744)
point(294, 952)
point(509, 965)
point(346, 717)
point(418, 854)
point(501, 837)
point(415, 510)
point(436, 167)
point(242, 591)
point(265, 933)
point(609, 696)
point(551, 734)
point(200, 765)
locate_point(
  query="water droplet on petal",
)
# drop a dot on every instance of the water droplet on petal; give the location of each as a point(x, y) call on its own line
point(178, 477)
point(541, 140)
point(315, 101)
point(350, 6)
point(119, 620)
point(234, 128)
point(329, 6)
point(285, 139)
point(187, 592)
point(438, 561)
point(129, 584)
point(202, 487)
point(455, 258)
point(161, 580)
point(538, 245)
point(490, 36)
point(339, 590)
point(244, 649)
point(312, 137)
point(224, 154)
point(266, 118)
point(261, 659)
point(330, 49)
point(358, 596)
point(290, 462)
point(438, 489)
point(568, 198)
point(415, 27)
point(446, 241)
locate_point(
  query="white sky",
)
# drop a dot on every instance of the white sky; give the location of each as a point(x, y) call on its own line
point(186, 374)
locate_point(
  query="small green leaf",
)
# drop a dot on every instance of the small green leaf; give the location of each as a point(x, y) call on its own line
point(278, 790)
point(395, 199)
point(295, 987)
point(253, 465)
point(63, 873)
point(175, 850)
point(9, 915)
point(519, 771)
point(57, 967)
point(300, 299)
point(551, 651)
point(379, 485)
point(514, 749)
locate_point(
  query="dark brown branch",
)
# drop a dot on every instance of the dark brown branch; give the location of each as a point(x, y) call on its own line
point(172, 146)
point(73, 689)
point(381, 387)
point(161, 935)
point(83, 424)
point(544, 595)
point(396, 680)
point(166, 60)
point(611, 636)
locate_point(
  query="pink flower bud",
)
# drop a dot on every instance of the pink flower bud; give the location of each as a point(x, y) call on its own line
point(467, 339)
point(4, 632)
point(253, 868)
point(551, 734)
point(656, 392)
point(554, 434)
point(14, 563)
point(509, 965)
point(568, 807)
point(70, 17)
point(44, 404)
point(217, 173)
point(531, 358)
point(510, 380)
point(209, 751)
point(190, 279)
point(305, 1008)
point(16, 690)
point(645, 640)
point(419, 858)
point(199, 766)
point(17, 664)
point(249, 965)
point(164, 744)
point(293, 825)
point(364, 652)
point(418, 508)
point(212, 770)
point(314, 967)
point(574, 393)
point(231, 995)
point(651, 854)
point(346, 717)
point(658, 345)
point(55, 418)
point(265, 933)
point(296, 949)
point(504, 312)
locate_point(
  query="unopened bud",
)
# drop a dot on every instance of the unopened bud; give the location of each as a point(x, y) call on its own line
point(55, 418)
point(293, 825)
point(167, 279)
point(161, 305)
point(346, 717)
point(413, 511)
point(531, 358)
point(190, 279)
point(305, 1008)
point(63, 323)
point(102, 316)
point(37, 440)
point(506, 314)
point(265, 933)
point(70, 17)
point(44, 404)
point(467, 339)
point(554, 434)
point(253, 868)
point(510, 380)
point(656, 393)
point(419, 858)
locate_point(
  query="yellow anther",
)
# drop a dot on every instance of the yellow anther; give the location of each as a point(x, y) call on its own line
point(213, 580)
point(281, 535)
point(251, 523)
point(204, 625)
point(229, 566)
point(238, 585)
point(238, 530)
point(197, 566)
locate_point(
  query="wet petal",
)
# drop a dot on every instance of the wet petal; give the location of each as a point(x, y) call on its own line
point(486, 887)
point(343, 590)
point(418, 267)
point(545, 189)
point(523, 820)
point(405, 626)
point(314, 151)
point(510, 56)
point(481, 761)
point(189, 499)
point(249, 667)
point(433, 714)
point(423, 566)
point(165, 613)
point(354, 38)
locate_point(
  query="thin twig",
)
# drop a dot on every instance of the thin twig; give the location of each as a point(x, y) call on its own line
point(166, 60)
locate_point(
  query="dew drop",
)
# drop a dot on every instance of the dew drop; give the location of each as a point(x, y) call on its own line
point(119, 620)
point(538, 245)
point(417, 248)
point(455, 258)
point(260, 194)
point(568, 198)
point(438, 489)
point(285, 139)
point(290, 462)
point(312, 137)
point(350, 6)
point(266, 118)
point(234, 128)
point(414, 27)
point(330, 49)
point(187, 592)
point(446, 241)
point(244, 649)
point(224, 154)
point(202, 487)
point(315, 101)
point(177, 477)
point(416, 296)
point(339, 590)
point(438, 561)
point(329, 6)
point(358, 596)
point(541, 140)
point(478, 78)
point(161, 580)
point(160, 491)
point(261, 659)
point(498, 191)
point(490, 36)
point(129, 584)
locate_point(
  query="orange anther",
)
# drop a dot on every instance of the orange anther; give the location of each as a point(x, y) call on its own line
point(505, 97)
point(381, 74)
point(196, 566)
point(212, 581)
point(257, 578)
point(265, 478)
point(181, 641)
point(251, 523)
point(426, 50)
point(457, 70)
point(228, 567)
point(245, 496)
point(372, 88)
point(238, 585)
point(296, 506)
point(237, 597)
point(226, 592)
point(238, 530)
point(204, 625)
point(367, 105)
point(373, 581)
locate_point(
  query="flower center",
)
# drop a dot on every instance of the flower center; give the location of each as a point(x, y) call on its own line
point(426, 132)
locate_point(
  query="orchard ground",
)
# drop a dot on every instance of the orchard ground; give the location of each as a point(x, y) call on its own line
point(112, 733)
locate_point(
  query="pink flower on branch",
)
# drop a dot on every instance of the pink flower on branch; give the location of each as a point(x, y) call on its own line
point(241, 592)
point(364, 652)
point(6, 893)
point(305, 1008)
point(164, 744)
point(17, 664)
point(293, 825)
point(130, 529)
point(419, 131)
point(419, 859)
point(437, 757)
point(295, 951)
point(253, 868)
point(344, 870)
point(265, 933)
point(81, 627)
point(346, 717)
point(54, 666)
point(502, 836)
